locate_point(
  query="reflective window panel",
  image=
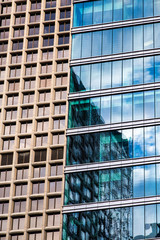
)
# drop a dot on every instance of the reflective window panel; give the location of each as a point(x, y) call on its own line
point(113, 145)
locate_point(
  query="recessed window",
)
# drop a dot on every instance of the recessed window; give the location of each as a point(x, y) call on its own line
point(5, 21)
point(4, 191)
point(33, 43)
point(48, 41)
point(4, 34)
point(18, 223)
point(49, 28)
point(22, 173)
point(62, 67)
point(39, 172)
point(11, 114)
point(20, 7)
point(28, 98)
point(59, 123)
point(35, 5)
point(15, 72)
point(31, 57)
point(36, 204)
point(45, 82)
point(3, 46)
point(5, 175)
point(3, 59)
point(3, 224)
point(26, 127)
point(4, 207)
point(23, 157)
point(19, 206)
point(55, 186)
point(50, 3)
point(34, 236)
point(46, 68)
point(21, 189)
point(64, 26)
point(9, 129)
point(42, 125)
point(29, 84)
point(58, 138)
point(20, 19)
point(17, 45)
point(56, 170)
point(7, 159)
point(34, 17)
point(36, 222)
point(27, 112)
point(40, 155)
point(41, 140)
point(33, 30)
point(25, 142)
point(63, 39)
point(53, 235)
point(57, 153)
point(44, 96)
point(47, 54)
point(63, 53)
point(54, 202)
point(59, 109)
point(13, 86)
point(43, 110)
point(38, 188)
point(8, 144)
point(60, 94)
point(18, 32)
point(12, 100)
point(53, 220)
point(65, 2)
point(65, 14)
point(6, 9)
point(49, 16)
point(30, 70)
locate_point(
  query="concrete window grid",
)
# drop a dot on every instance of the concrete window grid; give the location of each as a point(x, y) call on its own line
point(19, 15)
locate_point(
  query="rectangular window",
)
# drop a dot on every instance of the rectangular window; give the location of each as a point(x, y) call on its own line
point(20, 19)
point(25, 142)
point(43, 110)
point(23, 157)
point(20, 7)
point(35, 17)
point(33, 30)
point(27, 112)
point(28, 98)
point(49, 15)
point(45, 82)
point(40, 155)
point(33, 43)
point(41, 140)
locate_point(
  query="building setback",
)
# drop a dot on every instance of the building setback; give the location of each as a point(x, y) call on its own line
point(34, 59)
point(112, 172)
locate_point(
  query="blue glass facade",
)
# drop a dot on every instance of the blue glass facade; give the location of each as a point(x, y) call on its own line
point(114, 74)
point(115, 41)
point(105, 11)
point(114, 109)
point(140, 222)
point(112, 184)
point(112, 174)
point(113, 145)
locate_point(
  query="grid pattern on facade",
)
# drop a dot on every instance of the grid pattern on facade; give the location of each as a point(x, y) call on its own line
point(34, 53)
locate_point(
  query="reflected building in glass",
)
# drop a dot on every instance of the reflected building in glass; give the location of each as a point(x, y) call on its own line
point(112, 172)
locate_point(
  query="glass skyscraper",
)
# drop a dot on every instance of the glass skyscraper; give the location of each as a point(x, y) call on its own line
point(112, 172)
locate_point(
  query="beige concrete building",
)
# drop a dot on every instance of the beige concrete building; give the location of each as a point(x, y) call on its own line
point(34, 57)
